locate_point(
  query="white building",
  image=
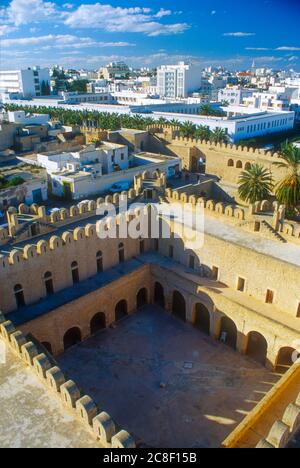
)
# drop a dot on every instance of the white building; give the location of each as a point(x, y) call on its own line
point(234, 95)
point(27, 83)
point(178, 81)
point(93, 171)
point(20, 117)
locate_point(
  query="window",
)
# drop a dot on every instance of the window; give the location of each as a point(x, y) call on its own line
point(215, 273)
point(241, 284)
point(75, 272)
point(269, 296)
point(99, 262)
point(49, 283)
point(121, 253)
point(298, 310)
point(171, 251)
point(19, 296)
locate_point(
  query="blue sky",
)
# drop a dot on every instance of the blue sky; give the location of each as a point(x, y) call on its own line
point(148, 33)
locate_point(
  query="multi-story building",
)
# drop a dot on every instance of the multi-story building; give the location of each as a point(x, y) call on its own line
point(114, 70)
point(234, 95)
point(178, 81)
point(27, 83)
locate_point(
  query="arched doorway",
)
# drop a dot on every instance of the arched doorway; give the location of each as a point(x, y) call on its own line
point(47, 346)
point(257, 347)
point(97, 323)
point(121, 310)
point(228, 332)
point(159, 295)
point(286, 358)
point(72, 337)
point(178, 306)
point(141, 298)
point(201, 319)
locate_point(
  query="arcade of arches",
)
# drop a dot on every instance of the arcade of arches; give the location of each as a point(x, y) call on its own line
point(199, 310)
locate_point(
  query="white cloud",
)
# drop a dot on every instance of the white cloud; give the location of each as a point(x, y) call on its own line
point(257, 48)
point(288, 48)
point(29, 11)
point(60, 42)
point(68, 6)
point(239, 34)
point(163, 13)
point(6, 29)
point(118, 19)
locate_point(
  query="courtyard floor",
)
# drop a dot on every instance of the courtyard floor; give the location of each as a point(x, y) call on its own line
point(165, 382)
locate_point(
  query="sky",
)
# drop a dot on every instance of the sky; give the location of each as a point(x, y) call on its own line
point(89, 34)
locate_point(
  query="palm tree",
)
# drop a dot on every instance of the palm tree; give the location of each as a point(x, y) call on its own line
point(218, 135)
point(203, 133)
point(206, 109)
point(255, 184)
point(288, 189)
point(188, 129)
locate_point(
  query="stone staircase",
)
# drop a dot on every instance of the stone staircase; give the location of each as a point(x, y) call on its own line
point(272, 231)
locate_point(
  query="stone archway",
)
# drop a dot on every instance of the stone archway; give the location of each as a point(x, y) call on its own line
point(201, 318)
point(257, 347)
point(141, 298)
point(179, 306)
point(121, 310)
point(228, 332)
point(98, 322)
point(159, 295)
point(72, 337)
point(285, 359)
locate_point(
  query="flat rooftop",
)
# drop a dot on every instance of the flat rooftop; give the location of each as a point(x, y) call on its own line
point(30, 417)
point(165, 382)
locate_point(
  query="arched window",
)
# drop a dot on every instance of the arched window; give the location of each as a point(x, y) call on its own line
point(121, 253)
point(49, 283)
point(192, 262)
point(230, 163)
point(239, 165)
point(19, 295)
point(248, 166)
point(75, 272)
point(99, 260)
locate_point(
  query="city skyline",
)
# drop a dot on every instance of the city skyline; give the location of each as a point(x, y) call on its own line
point(90, 34)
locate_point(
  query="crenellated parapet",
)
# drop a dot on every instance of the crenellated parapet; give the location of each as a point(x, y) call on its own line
point(99, 423)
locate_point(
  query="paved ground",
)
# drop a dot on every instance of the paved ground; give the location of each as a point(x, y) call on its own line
point(165, 382)
point(30, 417)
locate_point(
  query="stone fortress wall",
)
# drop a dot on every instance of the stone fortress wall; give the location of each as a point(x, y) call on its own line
point(225, 161)
point(218, 266)
point(98, 422)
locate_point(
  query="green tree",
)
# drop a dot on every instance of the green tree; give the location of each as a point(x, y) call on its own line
point(188, 129)
point(219, 136)
point(288, 189)
point(255, 184)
